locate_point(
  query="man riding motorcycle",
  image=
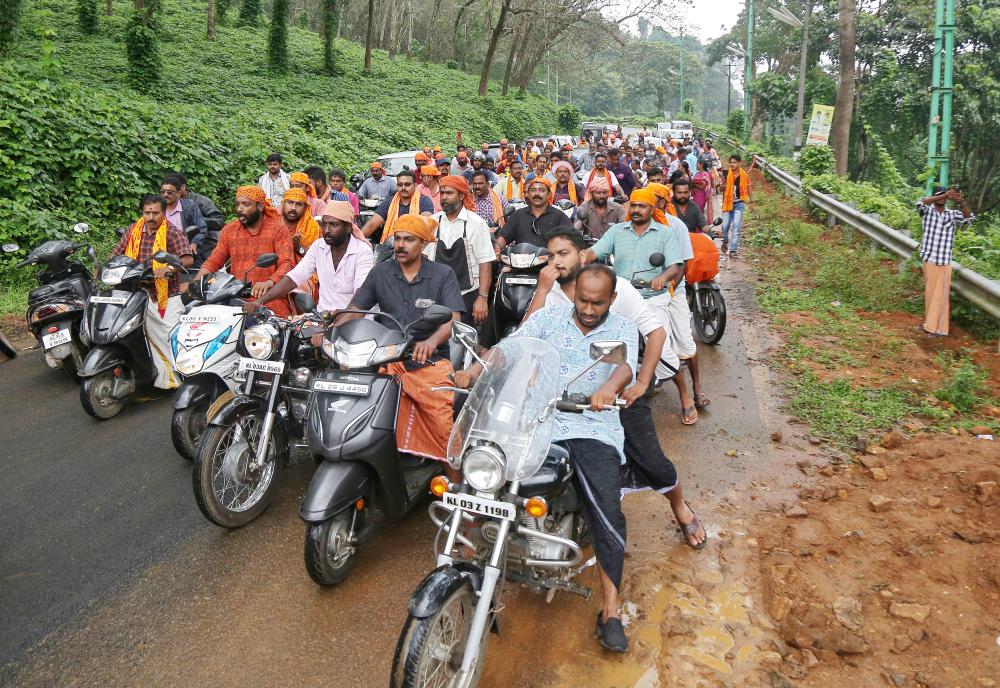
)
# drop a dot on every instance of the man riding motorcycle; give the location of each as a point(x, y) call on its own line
point(531, 224)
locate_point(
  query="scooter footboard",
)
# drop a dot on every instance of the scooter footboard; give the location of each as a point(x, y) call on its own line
point(335, 486)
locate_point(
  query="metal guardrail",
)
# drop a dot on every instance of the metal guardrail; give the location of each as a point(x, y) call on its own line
point(982, 291)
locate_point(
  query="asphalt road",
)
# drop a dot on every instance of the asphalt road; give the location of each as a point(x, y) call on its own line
point(85, 504)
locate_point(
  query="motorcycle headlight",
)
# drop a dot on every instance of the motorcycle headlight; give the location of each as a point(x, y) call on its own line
point(188, 362)
point(132, 323)
point(521, 260)
point(113, 276)
point(484, 468)
point(260, 341)
point(387, 353)
point(356, 355)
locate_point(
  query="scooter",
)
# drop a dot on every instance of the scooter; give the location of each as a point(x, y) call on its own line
point(55, 308)
point(362, 479)
point(203, 345)
point(515, 286)
point(368, 206)
point(121, 360)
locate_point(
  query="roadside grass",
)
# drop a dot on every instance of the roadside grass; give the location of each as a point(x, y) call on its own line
point(825, 291)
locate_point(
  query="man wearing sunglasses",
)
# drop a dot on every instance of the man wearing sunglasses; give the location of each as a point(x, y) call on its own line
point(531, 224)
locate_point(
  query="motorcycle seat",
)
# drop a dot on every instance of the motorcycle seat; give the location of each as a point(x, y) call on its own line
point(44, 292)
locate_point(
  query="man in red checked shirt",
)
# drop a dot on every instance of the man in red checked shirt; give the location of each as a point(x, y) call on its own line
point(256, 230)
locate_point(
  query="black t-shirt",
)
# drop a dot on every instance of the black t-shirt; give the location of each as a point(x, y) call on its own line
point(426, 206)
point(692, 216)
point(523, 227)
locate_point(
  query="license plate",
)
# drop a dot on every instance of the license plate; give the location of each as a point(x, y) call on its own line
point(276, 367)
point(114, 300)
point(480, 506)
point(341, 387)
point(56, 338)
point(199, 318)
point(522, 280)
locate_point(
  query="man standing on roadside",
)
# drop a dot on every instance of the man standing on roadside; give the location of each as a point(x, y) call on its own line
point(734, 205)
point(275, 182)
point(936, 246)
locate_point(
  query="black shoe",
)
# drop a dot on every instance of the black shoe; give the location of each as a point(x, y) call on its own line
point(611, 634)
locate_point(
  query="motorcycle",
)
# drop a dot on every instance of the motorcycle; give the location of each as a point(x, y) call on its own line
point(246, 443)
point(203, 345)
point(121, 360)
point(368, 206)
point(708, 308)
point(567, 207)
point(515, 517)
point(55, 308)
point(362, 479)
point(515, 287)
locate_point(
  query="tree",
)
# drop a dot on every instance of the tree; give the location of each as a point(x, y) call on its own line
point(249, 12)
point(331, 25)
point(10, 18)
point(484, 76)
point(840, 130)
point(109, 8)
point(211, 20)
point(86, 14)
point(368, 36)
point(277, 37)
point(142, 47)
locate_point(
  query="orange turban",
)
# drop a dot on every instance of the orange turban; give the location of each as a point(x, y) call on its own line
point(420, 226)
point(421, 157)
point(296, 195)
point(303, 178)
point(461, 185)
point(538, 180)
point(429, 171)
point(660, 190)
point(256, 194)
point(643, 196)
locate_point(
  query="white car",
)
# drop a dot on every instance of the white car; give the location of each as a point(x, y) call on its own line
point(395, 162)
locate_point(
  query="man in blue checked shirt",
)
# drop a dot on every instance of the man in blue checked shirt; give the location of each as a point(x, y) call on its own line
point(595, 438)
point(936, 245)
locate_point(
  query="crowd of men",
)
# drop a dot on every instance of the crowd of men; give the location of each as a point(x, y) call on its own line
point(447, 220)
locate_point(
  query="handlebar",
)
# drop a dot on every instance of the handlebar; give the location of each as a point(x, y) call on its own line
point(579, 403)
point(642, 284)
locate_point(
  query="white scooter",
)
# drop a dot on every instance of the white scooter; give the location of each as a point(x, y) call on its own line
point(203, 345)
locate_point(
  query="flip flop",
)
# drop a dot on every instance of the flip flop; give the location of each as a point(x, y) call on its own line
point(689, 412)
point(701, 401)
point(690, 530)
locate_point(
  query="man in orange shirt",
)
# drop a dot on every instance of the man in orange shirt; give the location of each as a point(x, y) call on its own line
point(256, 230)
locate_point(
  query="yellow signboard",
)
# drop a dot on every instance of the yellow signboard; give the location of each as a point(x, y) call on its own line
point(819, 125)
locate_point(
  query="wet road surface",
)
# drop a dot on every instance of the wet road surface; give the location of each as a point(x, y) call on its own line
point(108, 554)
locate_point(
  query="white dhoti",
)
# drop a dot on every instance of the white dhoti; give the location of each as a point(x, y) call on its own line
point(674, 315)
point(158, 335)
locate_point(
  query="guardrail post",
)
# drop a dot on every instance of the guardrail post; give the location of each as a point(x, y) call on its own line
point(874, 244)
point(831, 221)
point(848, 230)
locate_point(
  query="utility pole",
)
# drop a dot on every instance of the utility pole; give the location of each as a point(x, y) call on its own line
point(729, 87)
point(681, 45)
point(800, 108)
point(749, 73)
point(938, 150)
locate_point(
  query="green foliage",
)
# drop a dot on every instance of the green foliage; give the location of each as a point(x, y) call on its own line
point(570, 118)
point(331, 20)
point(10, 18)
point(840, 412)
point(86, 14)
point(687, 107)
point(221, 8)
point(816, 160)
point(734, 124)
point(880, 168)
point(142, 46)
point(870, 199)
point(249, 12)
point(965, 386)
point(776, 93)
point(277, 37)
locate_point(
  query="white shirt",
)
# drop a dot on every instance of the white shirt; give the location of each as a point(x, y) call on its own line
point(515, 189)
point(680, 230)
point(336, 285)
point(275, 188)
point(478, 244)
point(628, 303)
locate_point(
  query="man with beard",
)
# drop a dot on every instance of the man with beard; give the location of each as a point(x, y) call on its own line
point(648, 466)
point(541, 167)
point(511, 186)
point(489, 205)
point(255, 231)
point(464, 244)
point(379, 185)
point(687, 211)
point(531, 224)
point(301, 181)
point(599, 212)
point(565, 187)
point(600, 171)
point(594, 438)
point(403, 288)
point(621, 172)
point(405, 201)
point(341, 262)
point(298, 220)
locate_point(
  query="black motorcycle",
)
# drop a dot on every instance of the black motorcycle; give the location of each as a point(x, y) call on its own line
point(248, 440)
point(55, 308)
point(120, 361)
point(515, 287)
point(363, 480)
point(708, 308)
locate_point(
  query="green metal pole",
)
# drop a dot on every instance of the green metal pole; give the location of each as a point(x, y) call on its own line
point(682, 74)
point(946, 88)
point(932, 139)
point(749, 73)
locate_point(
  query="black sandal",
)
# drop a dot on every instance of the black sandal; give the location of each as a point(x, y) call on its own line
point(690, 530)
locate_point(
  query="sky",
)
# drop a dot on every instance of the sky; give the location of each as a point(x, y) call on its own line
point(711, 18)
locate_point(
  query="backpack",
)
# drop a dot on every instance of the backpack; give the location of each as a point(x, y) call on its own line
point(705, 264)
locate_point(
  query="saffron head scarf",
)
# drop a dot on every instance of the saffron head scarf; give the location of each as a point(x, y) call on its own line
point(303, 178)
point(420, 226)
point(257, 195)
point(461, 185)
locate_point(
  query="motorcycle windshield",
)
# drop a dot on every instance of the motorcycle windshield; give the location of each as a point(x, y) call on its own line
point(506, 403)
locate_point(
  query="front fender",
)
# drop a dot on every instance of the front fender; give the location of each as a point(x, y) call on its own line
point(198, 388)
point(335, 486)
point(237, 405)
point(101, 358)
point(439, 585)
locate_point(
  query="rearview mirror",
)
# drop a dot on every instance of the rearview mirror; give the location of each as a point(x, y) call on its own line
point(266, 260)
point(81, 228)
point(168, 258)
point(121, 231)
point(304, 302)
point(609, 352)
point(657, 260)
point(510, 210)
point(11, 248)
point(462, 332)
point(436, 314)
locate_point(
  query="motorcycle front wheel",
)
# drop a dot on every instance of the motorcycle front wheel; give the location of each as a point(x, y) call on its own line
point(187, 426)
point(329, 553)
point(96, 395)
point(430, 650)
point(229, 491)
point(709, 316)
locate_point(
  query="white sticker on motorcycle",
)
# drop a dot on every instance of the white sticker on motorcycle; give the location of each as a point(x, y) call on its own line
point(480, 506)
point(56, 338)
point(276, 367)
point(113, 300)
point(199, 318)
point(342, 387)
point(521, 280)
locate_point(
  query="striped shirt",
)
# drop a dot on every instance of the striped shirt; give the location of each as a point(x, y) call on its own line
point(939, 232)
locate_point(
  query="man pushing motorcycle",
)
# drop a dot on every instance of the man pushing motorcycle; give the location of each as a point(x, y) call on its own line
point(595, 439)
